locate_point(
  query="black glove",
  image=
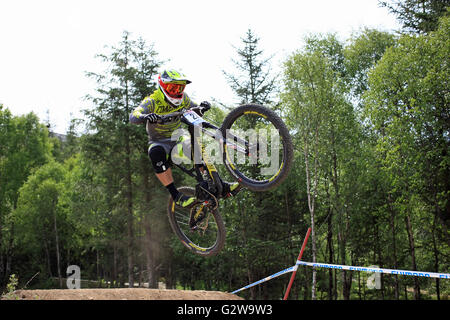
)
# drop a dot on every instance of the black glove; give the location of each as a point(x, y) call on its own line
point(151, 117)
point(204, 106)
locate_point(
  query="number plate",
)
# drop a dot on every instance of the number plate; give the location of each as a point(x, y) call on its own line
point(192, 117)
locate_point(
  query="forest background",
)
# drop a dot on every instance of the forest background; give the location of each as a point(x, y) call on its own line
point(370, 121)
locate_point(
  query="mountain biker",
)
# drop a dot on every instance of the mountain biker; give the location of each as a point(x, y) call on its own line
point(168, 98)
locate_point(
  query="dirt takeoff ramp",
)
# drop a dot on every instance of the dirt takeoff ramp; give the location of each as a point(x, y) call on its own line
point(122, 294)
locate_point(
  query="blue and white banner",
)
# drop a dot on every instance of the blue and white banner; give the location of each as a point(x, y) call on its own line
point(291, 269)
point(380, 270)
point(350, 268)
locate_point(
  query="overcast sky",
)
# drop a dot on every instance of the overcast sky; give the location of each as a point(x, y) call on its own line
point(47, 46)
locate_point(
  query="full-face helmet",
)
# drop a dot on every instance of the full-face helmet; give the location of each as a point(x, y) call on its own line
point(172, 84)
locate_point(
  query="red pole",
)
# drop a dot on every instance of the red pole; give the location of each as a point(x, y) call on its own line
point(299, 258)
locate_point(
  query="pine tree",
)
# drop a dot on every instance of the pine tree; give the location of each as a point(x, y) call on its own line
point(421, 16)
point(113, 143)
point(253, 82)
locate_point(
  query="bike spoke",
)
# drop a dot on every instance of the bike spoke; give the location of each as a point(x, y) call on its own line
point(254, 147)
point(204, 234)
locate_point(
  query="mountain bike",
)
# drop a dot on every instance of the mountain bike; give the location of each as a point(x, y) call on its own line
point(244, 139)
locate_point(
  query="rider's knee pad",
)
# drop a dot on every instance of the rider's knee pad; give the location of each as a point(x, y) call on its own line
point(158, 156)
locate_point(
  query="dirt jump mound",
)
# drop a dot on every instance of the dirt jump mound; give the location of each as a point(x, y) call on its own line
point(122, 294)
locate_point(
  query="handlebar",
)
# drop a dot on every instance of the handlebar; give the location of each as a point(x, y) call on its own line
point(167, 117)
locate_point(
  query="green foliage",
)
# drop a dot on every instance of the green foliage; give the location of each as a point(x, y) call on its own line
point(327, 132)
point(360, 56)
point(407, 106)
point(24, 147)
point(10, 288)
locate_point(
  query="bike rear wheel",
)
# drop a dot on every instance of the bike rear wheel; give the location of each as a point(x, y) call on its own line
point(258, 151)
point(204, 235)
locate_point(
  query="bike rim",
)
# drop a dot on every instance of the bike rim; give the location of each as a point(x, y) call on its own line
point(205, 237)
point(255, 149)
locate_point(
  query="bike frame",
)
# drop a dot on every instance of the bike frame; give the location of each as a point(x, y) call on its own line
point(196, 122)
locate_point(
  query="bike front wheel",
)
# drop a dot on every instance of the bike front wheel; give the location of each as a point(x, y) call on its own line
point(258, 150)
point(200, 228)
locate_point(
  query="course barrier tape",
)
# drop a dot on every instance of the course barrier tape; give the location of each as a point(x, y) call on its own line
point(290, 269)
point(380, 270)
point(293, 269)
point(351, 268)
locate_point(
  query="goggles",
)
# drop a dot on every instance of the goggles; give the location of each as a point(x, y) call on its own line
point(174, 89)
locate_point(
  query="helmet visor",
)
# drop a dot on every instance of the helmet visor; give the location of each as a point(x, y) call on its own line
point(174, 89)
